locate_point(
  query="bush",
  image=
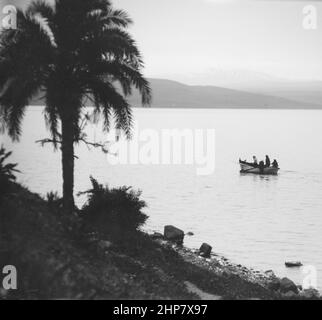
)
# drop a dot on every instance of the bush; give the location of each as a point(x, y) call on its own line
point(113, 211)
point(7, 171)
point(54, 201)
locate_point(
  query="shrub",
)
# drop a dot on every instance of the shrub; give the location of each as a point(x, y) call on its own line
point(113, 211)
point(54, 201)
point(7, 171)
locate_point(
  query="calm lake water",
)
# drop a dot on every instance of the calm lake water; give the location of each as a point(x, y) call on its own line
point(257, 221)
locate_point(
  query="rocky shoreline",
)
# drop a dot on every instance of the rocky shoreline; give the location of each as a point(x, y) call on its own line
point(56, 259)
point(281, 288)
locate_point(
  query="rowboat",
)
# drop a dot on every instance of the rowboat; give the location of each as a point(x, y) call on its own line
point(293, 264)
point(246, 167)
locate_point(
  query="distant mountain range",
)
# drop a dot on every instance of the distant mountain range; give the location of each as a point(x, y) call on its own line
point(172, 94)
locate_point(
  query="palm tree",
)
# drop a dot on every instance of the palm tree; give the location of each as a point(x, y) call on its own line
point(71, 51)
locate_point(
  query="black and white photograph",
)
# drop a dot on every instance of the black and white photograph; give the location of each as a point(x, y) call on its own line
point(167, 152)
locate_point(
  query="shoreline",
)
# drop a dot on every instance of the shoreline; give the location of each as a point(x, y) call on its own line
point(254, 272)
point(55, 259)
point(192, 253)
point(223, 267)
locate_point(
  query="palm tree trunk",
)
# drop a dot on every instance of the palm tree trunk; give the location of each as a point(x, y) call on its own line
point(68, 165)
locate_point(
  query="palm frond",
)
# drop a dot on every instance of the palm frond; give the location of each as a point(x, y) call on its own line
point(70, 51)
point(109, 100)
point(126, 75)
point(104, 19)
point(43, 8)
point(52, 120)
point(45, 27)
point(13, 104)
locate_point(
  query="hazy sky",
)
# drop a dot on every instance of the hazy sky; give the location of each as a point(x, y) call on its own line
point(192, 37)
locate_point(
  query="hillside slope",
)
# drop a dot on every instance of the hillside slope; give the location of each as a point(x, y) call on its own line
point(172, 94)
point(55, 260)
point(168, 93)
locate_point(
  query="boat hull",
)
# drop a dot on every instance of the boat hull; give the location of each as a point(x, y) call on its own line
point(246, 168)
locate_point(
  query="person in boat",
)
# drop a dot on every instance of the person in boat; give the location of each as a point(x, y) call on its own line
point(275, 164)
point(255, 160)
point(267, 161)
point(261, 166)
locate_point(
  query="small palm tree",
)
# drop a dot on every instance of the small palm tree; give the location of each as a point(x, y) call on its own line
point(73, 51)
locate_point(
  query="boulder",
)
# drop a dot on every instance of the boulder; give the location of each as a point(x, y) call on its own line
point(157, 235)
point(205, 250)
point(293, 264)
point(310, 294)
point(287, 285)
point(173, 234)
point(274, 284)
point(289, 295)
point(270, 274)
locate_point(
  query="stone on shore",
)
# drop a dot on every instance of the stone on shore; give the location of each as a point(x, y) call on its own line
point(274, 285)
point(173, 234)
point(270, 274)
point(310, 294)
point(287, 285)
point(289, 295)
point(293, 264)
point(205, 250)
point(157, 236)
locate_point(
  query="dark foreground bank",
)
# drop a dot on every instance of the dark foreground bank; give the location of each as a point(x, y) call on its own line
point(57, 258)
